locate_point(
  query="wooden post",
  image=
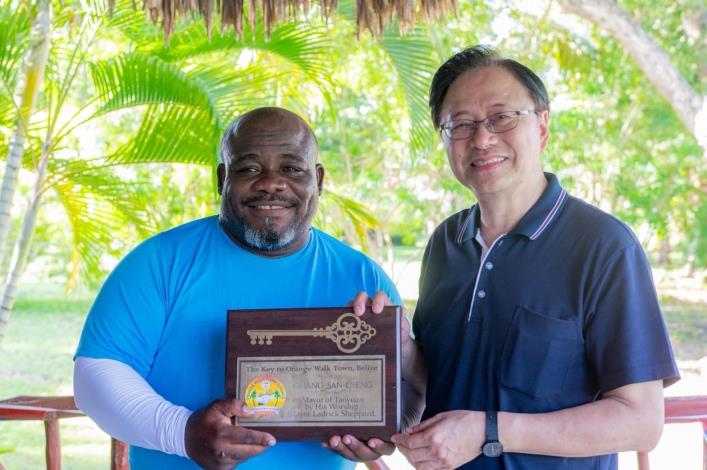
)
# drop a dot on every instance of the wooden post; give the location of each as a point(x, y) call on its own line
point(119, 455)
point(52, 448)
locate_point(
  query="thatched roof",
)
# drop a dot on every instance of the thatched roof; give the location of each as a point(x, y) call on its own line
point(371, 15)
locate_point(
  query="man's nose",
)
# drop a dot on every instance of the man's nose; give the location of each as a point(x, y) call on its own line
point(482, 138)
point(270, 182)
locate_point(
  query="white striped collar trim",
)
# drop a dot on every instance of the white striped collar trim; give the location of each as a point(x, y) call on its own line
point(550, 215)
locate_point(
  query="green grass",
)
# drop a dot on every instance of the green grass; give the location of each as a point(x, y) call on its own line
point(687, 325)
point(404, 253)
point(36, 359)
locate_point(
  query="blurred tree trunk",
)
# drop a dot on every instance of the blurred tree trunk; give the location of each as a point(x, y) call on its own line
point(650, 57)
point(24, 240)
point(27, 89)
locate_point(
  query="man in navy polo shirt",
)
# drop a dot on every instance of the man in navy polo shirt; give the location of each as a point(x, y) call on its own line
point(538, 319)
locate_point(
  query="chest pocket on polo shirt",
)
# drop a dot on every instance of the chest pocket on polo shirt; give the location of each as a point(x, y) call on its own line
point(538, 353)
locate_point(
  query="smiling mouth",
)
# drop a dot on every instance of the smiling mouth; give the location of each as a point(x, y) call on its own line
point(269, 204)
point(487, 161)
point(268, 207)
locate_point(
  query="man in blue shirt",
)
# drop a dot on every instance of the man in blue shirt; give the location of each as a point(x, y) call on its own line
point(538, 320)
point(150, 364)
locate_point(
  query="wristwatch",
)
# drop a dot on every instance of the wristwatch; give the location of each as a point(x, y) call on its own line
point(492, 447)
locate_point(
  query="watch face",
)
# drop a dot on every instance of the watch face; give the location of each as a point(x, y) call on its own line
point(492, 449)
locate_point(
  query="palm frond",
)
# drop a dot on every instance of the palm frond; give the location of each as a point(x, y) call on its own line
point(307, 46)
point(33, 150)
point(173, 133)
point(99, 207)
point(96, 176)
point(237, 90)
point(125, 18)
point(14, 40)
point(413, 57)
point(346, 9)
point(356, 218)
point(135, 79)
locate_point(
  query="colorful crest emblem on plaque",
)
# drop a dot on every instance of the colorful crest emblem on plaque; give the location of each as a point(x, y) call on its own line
point(265, 395)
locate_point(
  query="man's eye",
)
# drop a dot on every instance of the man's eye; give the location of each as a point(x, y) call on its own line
point(292, 169)
point(247, 169)
point(501, 117)
point(462, 125)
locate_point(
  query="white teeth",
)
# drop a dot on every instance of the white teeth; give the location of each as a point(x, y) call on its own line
point(487, 162)
point(269, 207)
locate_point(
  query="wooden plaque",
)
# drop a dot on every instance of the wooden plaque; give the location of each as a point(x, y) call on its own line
point(310, 374)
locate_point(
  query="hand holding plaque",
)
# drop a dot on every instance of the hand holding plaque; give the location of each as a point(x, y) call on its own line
point(313, 373)
point(212, 441)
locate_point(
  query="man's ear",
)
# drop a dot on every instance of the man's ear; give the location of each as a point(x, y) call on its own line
point(544, 118)
point(320, 177)
point(221, 176)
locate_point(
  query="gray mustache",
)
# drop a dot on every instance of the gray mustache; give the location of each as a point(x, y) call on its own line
point(287, 200)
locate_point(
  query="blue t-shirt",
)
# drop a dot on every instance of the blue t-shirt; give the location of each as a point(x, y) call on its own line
point(162, 311)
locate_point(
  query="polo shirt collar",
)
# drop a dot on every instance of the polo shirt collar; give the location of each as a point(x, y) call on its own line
point(533, 223)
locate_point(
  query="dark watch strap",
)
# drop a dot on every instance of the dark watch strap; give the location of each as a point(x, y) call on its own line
point(492, 448)
point(491, 426)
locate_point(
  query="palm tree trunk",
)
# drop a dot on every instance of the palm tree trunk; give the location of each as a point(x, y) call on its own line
point(26, 92)
point(24, 242)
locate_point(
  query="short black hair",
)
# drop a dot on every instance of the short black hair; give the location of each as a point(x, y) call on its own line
point(479, 57)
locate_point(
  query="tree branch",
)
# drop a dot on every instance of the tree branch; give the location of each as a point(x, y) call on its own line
point(647, 53)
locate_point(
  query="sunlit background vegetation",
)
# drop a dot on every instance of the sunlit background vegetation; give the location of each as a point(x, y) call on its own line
point(135, 125)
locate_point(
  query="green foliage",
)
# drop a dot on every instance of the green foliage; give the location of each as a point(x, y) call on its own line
point(172, 133)
point(177, 102)
point(14, 42)
point(98, 209)
point(152, 109)
point(337, 208)
point(14, 34)
point(414, 61)
point(134, 79)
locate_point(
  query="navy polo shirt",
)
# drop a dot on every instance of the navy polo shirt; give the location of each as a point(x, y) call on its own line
point(561, 309)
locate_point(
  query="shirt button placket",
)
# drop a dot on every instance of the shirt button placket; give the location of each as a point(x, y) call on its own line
point(482, 293)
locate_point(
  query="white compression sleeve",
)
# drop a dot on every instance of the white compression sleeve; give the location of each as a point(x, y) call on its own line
point(125, 406)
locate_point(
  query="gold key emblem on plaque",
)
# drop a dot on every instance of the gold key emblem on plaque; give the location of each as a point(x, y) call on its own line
point(349, 332)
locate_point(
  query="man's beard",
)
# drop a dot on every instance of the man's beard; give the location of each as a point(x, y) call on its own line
point(267, 239)
point(264, 239)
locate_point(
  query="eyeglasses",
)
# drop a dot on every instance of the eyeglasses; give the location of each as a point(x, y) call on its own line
point(496, 124)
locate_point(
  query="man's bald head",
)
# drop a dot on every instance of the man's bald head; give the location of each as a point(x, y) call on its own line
point(263, 121)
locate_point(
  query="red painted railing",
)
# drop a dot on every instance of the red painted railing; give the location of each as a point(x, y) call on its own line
point(683, 410)
point(52, 409)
